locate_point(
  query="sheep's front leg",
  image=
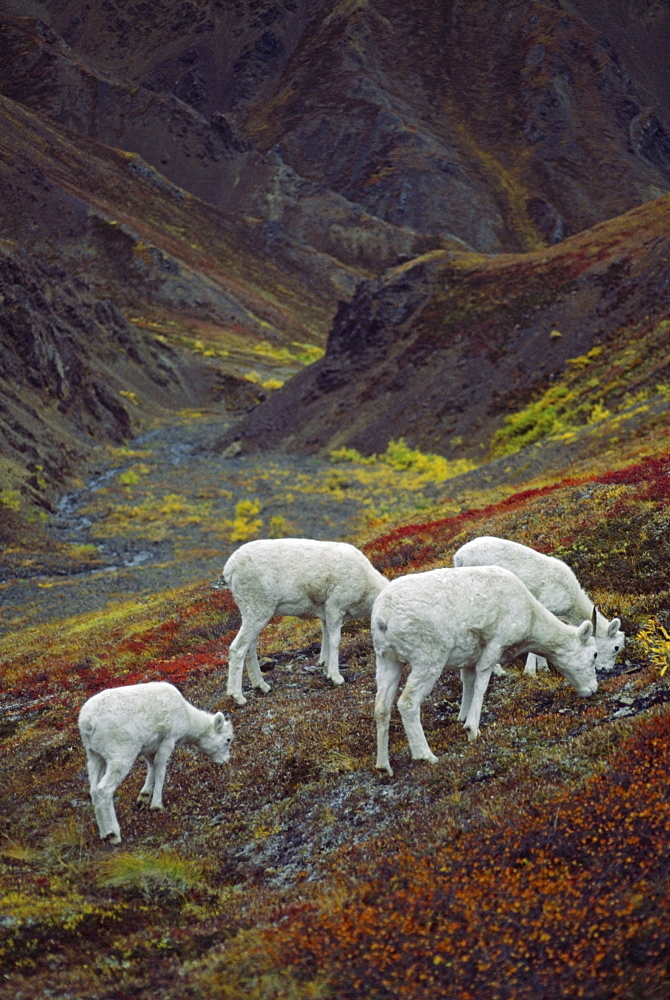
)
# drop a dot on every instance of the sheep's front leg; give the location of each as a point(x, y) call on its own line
point(161, 758)
point(148, 786)
point(467, 691)
point(334, 619)
point(479, 680)
point(389, 670)
point(420, 683)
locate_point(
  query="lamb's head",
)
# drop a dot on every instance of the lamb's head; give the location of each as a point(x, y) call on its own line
point(578, 658)
point(609, 640)
point(216, 739)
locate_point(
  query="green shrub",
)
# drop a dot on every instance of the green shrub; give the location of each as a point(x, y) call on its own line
point(163, 876)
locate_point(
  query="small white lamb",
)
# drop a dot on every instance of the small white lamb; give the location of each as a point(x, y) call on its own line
point(554, 584)
point(469, 620)
point(147, 720)
point(296, 576)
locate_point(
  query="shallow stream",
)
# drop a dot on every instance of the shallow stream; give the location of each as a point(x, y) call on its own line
point(158, 516)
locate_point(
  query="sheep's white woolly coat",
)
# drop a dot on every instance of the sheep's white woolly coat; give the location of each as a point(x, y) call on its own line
point(466, 619)
point(552, 582)
point(296, 576)
point(148, 720)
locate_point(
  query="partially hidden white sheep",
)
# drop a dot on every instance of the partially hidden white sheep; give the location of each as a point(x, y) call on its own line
point(554, 584)
point(148, 720)
point(296, 576)
point(466, 619)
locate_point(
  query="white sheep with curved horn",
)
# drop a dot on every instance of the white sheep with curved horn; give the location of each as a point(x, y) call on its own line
point(554, 584)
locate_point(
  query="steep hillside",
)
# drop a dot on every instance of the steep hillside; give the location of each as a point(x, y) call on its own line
point(476, 356)
point(226, 174)
point(530, 863)
point(505, 125)
point(74, 373)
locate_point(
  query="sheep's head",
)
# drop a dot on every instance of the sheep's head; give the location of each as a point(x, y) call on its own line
point(578, 660)
point(216, 741)
point(610, 641)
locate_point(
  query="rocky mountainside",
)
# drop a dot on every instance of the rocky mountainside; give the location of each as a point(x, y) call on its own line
point(225, 174)
point(74, 373)
point(506, 125)
point(446, 346)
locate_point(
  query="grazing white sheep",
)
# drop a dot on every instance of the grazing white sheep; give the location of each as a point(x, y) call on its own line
point(463, 619)
point(296, 576)
point(147, 720)
point(554, 584)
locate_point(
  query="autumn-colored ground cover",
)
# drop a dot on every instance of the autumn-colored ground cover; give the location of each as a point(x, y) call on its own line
point(567, 899)
point(529, 864)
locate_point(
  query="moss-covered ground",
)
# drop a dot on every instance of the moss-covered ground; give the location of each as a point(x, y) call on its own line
point(530, 864)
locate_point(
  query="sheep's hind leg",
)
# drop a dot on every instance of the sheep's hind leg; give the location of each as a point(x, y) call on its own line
point(323, 653)
point(104, 800)
point(95, 765)
point(420, 683)
point(252, 625)
point(389, 670)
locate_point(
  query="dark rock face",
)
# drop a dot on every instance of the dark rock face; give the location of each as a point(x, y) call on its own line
point(71, 373)
point(505, 125)
point(253, 164)
point(441, 348)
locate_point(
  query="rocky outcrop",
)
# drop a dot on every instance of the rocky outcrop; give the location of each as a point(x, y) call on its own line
point(73, 373)
point(442, 348)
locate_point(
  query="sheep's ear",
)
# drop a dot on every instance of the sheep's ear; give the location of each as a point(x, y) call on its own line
point(613, 627)
point(585, 631)
point(219, 722)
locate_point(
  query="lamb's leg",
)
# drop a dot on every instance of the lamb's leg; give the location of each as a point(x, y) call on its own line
point(420, 683)
point(334, 619)
point(108, 824)
point(161, 758)
point(148, 786)
point(255, 675)
point(389, 670)
point(95, 765)
point(253, 623)
point(482, 676)
point(534, 662)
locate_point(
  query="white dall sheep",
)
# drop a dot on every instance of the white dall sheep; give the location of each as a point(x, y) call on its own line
point(147, 720)
point(554, 584)
point(296, 576)
point(463, 619)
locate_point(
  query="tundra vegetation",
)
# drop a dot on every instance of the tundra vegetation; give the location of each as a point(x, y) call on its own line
point(532, 862)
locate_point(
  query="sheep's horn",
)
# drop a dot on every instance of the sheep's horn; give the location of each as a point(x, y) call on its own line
point(594, 619)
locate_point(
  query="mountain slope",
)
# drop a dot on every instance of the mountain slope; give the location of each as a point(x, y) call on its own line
point(505, 125)
point(443, 348)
